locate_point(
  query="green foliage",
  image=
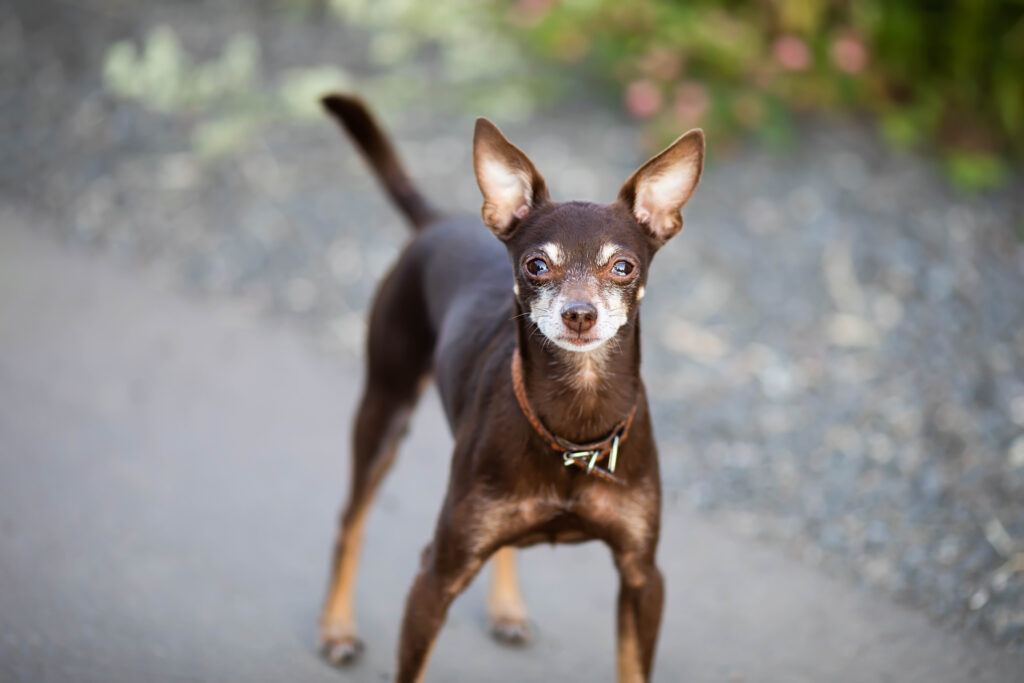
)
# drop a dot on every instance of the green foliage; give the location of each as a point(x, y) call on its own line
point(482, 64)
point(974, 171)
point(481, 68)
point(223, 95)
point(946, 73)
point(163, 76)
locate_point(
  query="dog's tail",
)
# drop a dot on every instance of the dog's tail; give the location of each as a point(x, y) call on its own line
point(354, 117)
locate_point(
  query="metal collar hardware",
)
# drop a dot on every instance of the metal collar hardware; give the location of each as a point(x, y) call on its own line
point(586, 456)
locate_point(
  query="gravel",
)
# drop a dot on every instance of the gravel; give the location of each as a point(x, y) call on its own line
point(834, 347)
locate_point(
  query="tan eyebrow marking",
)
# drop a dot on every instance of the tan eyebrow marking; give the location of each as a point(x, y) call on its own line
point(554, 252)
point(606, 253)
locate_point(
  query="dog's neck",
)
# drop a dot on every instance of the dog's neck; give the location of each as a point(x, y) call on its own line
point(581, 395)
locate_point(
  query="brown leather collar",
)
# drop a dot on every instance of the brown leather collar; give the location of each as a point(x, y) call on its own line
point(585, 455)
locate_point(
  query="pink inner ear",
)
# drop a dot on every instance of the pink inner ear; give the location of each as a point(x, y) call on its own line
point(643, 215)
point(522, 211)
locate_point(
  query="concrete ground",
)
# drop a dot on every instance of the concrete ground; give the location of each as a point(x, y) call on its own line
point(170, 472)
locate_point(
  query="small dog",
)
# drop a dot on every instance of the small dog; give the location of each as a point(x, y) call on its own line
point(536, 352)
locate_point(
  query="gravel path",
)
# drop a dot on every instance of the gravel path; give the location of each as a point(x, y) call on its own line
point(834, 346)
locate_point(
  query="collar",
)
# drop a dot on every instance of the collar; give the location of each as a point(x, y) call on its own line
point(585, 455)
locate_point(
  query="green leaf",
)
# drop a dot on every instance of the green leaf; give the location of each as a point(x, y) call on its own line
point(975, 172)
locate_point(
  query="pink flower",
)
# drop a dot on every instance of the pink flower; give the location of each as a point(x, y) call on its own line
point(691, 103)
point(792, 53)
point(849, 55)
point(643, 98)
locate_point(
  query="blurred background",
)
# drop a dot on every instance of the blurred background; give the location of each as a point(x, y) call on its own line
point(834, 346)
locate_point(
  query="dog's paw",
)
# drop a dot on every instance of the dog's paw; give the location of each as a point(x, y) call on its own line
point(341, 651)
point(513, 631)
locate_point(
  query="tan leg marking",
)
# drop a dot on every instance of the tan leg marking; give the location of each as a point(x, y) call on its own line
point(628, 651)
point(505, 601)
point(338, 620)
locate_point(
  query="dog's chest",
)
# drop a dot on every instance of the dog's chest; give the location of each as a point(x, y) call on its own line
point(597, 512)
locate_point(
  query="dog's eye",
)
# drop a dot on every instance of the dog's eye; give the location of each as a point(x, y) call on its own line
point(537, 266)
point(622, 268)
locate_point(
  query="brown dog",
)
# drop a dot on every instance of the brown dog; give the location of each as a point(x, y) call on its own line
point(536, 351)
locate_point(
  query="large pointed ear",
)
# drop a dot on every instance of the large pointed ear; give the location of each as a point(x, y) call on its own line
point(510, 183)
point(656, 192)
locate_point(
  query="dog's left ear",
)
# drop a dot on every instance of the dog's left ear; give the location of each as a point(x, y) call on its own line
point(657, 191)
point(509, 181)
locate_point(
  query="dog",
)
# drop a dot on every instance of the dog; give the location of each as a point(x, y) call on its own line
point(534, 341)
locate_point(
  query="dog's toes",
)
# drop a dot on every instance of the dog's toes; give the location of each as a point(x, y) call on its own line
point(341, 651)
point(511, 631)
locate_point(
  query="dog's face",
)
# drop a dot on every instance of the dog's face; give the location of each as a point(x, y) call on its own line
point(580, 268)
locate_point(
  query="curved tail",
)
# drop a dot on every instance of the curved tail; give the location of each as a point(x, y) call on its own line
point(355, 118)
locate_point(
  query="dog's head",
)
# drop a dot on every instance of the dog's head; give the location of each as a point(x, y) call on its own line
point(580, 268)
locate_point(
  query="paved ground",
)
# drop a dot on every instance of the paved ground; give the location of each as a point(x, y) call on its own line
point(170, 471)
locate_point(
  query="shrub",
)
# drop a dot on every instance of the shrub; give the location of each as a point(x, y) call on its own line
point(949, 73)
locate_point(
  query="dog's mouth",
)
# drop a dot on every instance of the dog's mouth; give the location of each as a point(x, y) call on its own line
point(580, 341)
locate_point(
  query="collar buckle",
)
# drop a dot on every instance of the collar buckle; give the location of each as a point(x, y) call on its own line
point(570, 457)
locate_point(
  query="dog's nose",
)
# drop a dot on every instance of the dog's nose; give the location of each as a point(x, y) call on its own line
point(579, 316)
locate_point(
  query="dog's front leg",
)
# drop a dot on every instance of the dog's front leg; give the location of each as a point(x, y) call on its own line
point(641, 596)
point(447, 566)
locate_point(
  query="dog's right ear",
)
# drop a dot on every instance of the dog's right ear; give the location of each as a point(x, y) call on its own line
point(508, 180)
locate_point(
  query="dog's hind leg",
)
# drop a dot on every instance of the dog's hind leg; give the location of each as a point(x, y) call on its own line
point(505, 605)
point(399, 355)
point(379, 427)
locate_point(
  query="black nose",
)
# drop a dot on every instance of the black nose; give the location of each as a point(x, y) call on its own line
point(579, 316)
